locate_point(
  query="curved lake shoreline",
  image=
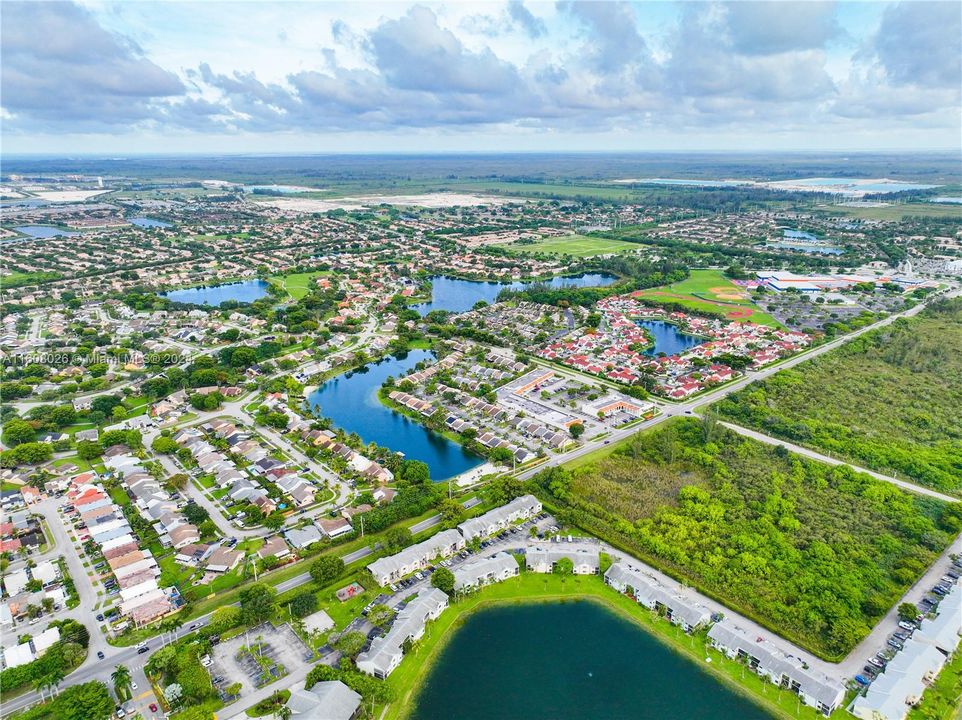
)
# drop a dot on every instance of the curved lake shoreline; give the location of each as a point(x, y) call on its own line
point(352, 403)
point(760, 699)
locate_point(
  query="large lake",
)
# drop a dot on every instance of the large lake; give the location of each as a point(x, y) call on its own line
point(243, 292)
point(45, 231)
point(668, 338)
point(569, 661)
point(456, 295)
point(351, 401)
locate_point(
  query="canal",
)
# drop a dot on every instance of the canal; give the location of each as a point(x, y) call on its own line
point(351, 401)
point(569, 661)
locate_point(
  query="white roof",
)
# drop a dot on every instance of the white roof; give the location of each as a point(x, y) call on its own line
point(45, 572)
point(45, 639)
point(902, 682)
point(17, 655)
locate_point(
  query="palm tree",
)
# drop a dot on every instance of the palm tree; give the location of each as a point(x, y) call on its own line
point(54, 678)
point(283, 713)
point(121, 679)
point(171, 625)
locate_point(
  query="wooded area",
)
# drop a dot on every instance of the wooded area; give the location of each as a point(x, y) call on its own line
point(816, 553)
point(890, 400)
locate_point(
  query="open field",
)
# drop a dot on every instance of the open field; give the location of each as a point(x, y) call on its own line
point(816, 553)
point(297, 285)
point(888, 401)
point(574, 245)
point(895, 212)
point(710, 291)
point(414, 669)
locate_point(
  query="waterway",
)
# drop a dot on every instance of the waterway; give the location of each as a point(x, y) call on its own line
point(455, 295)
point(351, 401)
point(243, 292)
point(569, 661)
point(668, 338)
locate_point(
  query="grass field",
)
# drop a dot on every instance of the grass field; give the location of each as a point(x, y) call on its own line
point(574, 245)
point(710, 291)
point(896, 212)
point(297, 285)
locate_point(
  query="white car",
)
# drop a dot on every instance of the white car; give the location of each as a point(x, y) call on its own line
point(133, 685)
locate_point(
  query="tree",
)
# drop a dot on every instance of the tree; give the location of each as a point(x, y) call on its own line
point(564, 567)
point(415, 472)
point(326, 569)
point(908, 612)
point(380, 615)
point(303, 604)
point(443, 579)
point(121, 680)
point(178, 481)
point(576, 430)
point(164, 445)
point(89, 450)
point(18, 431)
point(225, 618)
point(350, 644)
point(452, 512)
point(397, 538)
point(257, 603)
point(274, 520)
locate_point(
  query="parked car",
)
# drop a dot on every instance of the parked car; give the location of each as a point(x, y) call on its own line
point(906, 626)
point(876, 662)
point(100, 654)
point(861, 680)
point(153, 707)
point(895, 644)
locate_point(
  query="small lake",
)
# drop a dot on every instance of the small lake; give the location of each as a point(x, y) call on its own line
point(948, 200)
point(351, 401)
point(146, 222)
point(243, 292)
point(455, 295)
point(44, 231)
point(569, 661)
point(668, 338)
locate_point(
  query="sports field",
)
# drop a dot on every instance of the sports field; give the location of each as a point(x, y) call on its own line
point(710, 291)
point(575, 245)
point(296, 285)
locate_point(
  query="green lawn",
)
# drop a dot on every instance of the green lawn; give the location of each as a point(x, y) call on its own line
point(119, 496)
point(297, 285)
point(574, 245)
point(710, 291)
point(530, 587)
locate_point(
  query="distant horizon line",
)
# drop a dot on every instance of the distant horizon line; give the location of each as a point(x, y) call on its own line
point(448, 153)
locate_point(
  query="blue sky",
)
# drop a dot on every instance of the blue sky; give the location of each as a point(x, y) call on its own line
point(107, 77)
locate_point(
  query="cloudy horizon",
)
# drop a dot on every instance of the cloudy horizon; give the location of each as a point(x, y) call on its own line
point(291, 77)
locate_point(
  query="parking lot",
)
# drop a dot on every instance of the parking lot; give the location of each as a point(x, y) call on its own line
point(902, 629)
point(280, 646)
